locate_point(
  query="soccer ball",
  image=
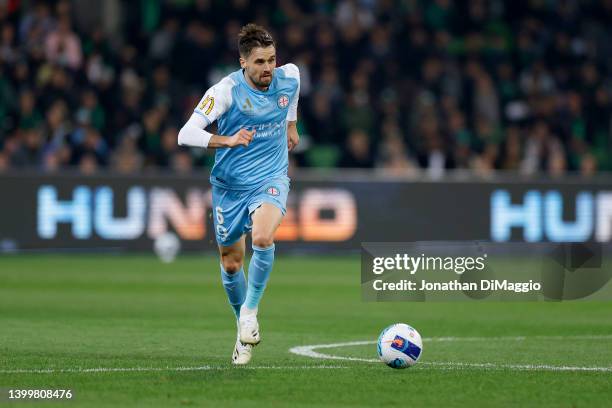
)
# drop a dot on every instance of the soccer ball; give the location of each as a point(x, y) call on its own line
point(399, 346)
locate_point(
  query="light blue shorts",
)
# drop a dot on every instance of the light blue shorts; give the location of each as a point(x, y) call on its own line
point(232, 209)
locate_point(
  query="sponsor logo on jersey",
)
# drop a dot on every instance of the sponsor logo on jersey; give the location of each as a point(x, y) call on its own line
point(283, 101)
point(208, 101)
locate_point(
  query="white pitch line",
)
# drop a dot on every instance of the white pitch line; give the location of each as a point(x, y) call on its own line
point(309, 351)
point(154, 369)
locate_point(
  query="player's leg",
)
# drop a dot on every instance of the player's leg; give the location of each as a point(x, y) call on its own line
point(266, 219)
point(232, 273)
point(230, 215)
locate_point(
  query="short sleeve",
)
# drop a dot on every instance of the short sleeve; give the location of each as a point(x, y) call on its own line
point(216, 101)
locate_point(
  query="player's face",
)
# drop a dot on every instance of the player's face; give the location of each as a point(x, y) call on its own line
point(259, 66)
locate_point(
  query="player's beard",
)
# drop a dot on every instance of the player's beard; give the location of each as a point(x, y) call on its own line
point(262, 81)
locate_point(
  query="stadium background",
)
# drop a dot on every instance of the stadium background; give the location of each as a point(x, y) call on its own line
point(420, 120)
point(399, 86)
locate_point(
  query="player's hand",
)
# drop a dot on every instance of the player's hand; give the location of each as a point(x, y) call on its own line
point(293, 139)
point(242, 138)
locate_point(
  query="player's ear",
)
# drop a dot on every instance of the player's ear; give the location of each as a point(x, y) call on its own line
point(242, 63)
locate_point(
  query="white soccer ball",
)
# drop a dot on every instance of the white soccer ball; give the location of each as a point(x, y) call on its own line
point(399, 346)
point(167, 246)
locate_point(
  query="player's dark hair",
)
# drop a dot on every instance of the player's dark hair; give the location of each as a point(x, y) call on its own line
point(253, 36)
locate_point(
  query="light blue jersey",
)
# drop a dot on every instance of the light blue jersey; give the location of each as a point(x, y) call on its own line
point(244, 178)
point(235, 105)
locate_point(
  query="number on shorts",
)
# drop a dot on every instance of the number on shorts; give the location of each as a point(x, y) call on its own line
point(221, 230)
point(219, 215)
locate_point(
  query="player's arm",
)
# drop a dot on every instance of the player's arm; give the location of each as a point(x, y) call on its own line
point(293, 138)
point(193, 134)
point(215, 102)
point(242, 138)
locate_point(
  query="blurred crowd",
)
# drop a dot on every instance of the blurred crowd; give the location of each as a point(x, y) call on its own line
point(402, 86)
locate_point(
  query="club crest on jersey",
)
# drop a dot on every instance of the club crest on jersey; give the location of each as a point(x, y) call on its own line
point(273, 191)
point(283, 101)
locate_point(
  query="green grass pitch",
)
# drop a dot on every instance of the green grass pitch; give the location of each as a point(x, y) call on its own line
point(164, 335)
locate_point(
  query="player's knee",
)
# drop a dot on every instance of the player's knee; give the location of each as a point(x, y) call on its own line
point(262, 240)
point(231, 265)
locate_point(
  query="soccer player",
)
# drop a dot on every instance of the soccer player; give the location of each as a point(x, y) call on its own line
point(256, 113)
